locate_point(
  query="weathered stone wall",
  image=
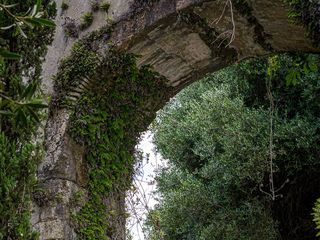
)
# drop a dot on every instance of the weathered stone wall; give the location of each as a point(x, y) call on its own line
point(183, 40)
point(62, 174)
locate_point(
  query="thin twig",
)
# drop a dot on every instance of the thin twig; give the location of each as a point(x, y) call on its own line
point(232, 32)
point(272, 194)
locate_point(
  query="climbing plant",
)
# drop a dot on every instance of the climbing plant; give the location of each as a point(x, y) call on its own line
point(108, 96)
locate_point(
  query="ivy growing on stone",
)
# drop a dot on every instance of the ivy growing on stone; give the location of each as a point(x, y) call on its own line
point(109, 98)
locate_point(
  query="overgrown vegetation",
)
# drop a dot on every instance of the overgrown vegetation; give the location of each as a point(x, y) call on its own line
point(23, 40)
point(216, 136)
point(110, 102)
point(108, 95)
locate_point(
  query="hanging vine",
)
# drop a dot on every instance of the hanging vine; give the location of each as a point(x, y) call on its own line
point(273, 191)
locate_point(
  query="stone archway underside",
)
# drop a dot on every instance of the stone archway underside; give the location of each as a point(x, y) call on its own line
point(182, 40)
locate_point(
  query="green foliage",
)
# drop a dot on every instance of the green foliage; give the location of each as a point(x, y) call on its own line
point(105, 6)
point(22, 34)
point(26, 31)
point(23, 111)
point(192, 210)
point(96, 6)
point(107, 126)
point(296, 68)
point(108, 116)
point(92, 219)
point(31, 18)
point(72, 71)
point(216, 137)
point(9, 55)
point(87, 20)
point(307, 14)
point(18, 165)
point(316, 216)
point(291, 99)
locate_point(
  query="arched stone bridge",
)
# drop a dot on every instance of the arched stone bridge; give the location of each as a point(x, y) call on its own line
point(181, 39)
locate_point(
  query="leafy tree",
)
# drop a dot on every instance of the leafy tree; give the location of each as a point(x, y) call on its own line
point(216, 136)
point(24, 34)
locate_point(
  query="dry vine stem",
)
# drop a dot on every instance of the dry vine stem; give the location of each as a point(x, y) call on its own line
point(229, 33)
point(138, 201)
point(273, 192)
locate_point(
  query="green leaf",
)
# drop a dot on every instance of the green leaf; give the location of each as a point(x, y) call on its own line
point(313, 66)
point(30, 21)
point(21, 117)
point(37, 103)
point(9, 55)
point(44, 22)
point(5, 112)
point(292, 77)
point(38, 5)
point(29, 91)
point(33, 115)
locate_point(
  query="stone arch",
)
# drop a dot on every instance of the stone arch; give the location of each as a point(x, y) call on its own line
point(181, 41)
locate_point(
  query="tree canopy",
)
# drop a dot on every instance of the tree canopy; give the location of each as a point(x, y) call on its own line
point(216, 136)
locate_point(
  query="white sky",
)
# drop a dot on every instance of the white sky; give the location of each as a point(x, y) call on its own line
point(143, 199)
